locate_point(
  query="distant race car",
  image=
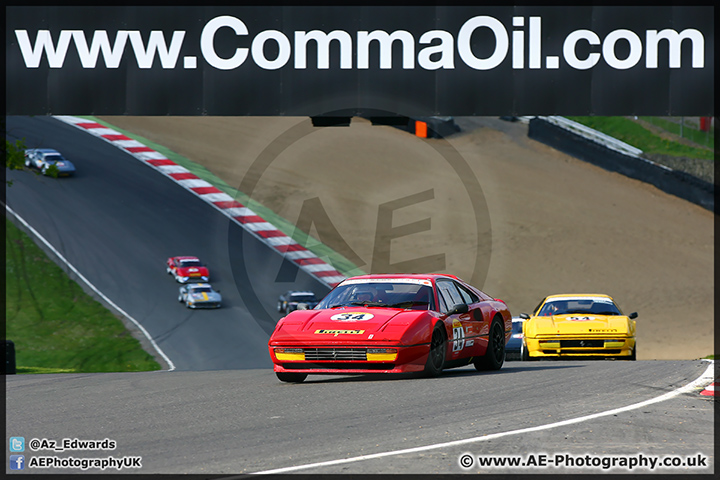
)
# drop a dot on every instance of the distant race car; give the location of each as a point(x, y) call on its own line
point(294, 299)
point(187, 269)
point(43, 158)
point(513, 349)
point(199, 295)
point(581, 325)
point(398, 323)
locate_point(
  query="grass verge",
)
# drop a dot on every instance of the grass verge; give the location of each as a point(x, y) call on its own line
point(55, 326)
point(633, 133)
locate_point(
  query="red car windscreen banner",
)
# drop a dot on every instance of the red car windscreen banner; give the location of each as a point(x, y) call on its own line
point(353, 60)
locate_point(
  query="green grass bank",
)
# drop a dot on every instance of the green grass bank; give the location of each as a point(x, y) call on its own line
point(653, 135)
point(55, 326)
point(675, 142)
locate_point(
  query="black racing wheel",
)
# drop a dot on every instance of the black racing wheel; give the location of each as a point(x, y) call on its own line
point(438, 349)
point(495, 354)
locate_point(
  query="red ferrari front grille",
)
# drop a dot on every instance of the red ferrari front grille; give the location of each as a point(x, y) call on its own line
point(330, 354)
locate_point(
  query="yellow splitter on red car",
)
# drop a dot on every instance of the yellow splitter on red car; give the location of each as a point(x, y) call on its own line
point(578, 325)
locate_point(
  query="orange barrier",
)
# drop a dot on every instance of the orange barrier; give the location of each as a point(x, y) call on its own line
point(705, 123)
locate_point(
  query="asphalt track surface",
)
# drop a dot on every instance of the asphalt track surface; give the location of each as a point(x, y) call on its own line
point(245, 421)
point(118, 220)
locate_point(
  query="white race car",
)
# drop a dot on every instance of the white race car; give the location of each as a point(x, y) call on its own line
point(199, 295)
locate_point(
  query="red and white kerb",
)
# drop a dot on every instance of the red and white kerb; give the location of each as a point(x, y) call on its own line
point(233, 209)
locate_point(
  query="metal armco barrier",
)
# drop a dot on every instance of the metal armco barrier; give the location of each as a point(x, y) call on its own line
point(671, 181)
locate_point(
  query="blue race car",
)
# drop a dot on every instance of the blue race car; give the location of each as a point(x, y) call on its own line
point(44, 158)
point(513, 349)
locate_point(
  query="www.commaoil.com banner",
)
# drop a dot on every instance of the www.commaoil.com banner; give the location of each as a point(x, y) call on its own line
point(282, 60)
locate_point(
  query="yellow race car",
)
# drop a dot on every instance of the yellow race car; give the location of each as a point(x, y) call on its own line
point(578, 325)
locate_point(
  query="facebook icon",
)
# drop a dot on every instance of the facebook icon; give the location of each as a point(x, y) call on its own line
point(17, 462)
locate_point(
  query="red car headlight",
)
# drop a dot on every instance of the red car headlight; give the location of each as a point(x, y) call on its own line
point(381, 354)
point(289, 354)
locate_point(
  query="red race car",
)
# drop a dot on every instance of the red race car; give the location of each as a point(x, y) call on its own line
point(187, 269)
point(396, 323)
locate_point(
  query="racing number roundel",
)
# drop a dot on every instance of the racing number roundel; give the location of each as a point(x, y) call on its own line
point(352, 317)
point(458, 336)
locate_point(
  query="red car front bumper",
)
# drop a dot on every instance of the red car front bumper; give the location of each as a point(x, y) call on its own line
point(320, 360)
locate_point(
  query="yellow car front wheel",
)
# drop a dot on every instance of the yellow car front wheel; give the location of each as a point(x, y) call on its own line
point(633, 356)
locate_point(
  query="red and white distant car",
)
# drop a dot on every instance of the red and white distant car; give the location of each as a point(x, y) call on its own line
point(187, 269)
point(386, 323)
